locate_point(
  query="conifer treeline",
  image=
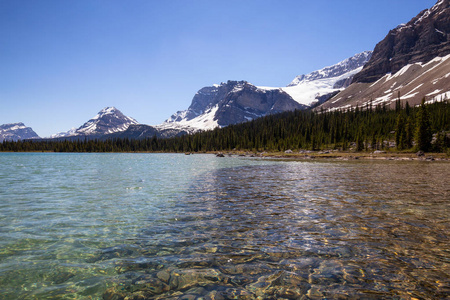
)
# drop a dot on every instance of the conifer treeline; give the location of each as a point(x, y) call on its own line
point(366, 128)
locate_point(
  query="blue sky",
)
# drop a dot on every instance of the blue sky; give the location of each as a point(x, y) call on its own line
point(63, 61)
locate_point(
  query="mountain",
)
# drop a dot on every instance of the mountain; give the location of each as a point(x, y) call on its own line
point(108, 120)
point(411, 62)
point(239, 101)
point(230, 103)
point(315, 87)
point(16, 131)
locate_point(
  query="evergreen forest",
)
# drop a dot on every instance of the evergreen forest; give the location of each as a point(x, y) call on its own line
point(403, 128)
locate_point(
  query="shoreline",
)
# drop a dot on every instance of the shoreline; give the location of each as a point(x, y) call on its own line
point(340, 155)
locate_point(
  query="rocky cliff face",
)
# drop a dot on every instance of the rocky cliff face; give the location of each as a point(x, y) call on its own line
point(16, 131)
point(420, 40)
point(205, 99)
point(247, 102)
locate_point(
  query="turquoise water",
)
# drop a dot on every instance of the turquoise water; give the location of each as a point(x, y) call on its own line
point(158, 226)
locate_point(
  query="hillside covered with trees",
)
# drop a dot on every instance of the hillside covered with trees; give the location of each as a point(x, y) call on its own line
point(368, 128)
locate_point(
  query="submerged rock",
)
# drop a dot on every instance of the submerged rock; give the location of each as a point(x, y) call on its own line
point(182, 279)
point(214, 295)
point(163, 276)
point(149, 285)
point(113, 294)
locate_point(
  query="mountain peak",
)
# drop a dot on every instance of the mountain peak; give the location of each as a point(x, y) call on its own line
point(16, 131)
point(110, 110)
point(108, 120)
point(423, 38)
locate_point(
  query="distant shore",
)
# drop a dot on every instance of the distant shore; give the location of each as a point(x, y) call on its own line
point(342, 155)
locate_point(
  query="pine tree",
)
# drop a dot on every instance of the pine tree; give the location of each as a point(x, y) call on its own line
point(359, 142)
point(440, 142)
point(373, 143)
point(423, 128)
point(398, 103)
point(409, 128)
point(400, 133)
point(407, 108)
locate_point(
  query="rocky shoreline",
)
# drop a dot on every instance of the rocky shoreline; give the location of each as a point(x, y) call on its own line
point(340, 155)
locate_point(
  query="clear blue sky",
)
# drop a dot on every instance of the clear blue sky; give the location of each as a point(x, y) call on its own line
point(63, 61)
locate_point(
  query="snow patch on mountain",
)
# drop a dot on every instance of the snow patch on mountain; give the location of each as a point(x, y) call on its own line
point(347, 66)
point(308, 91)
point(106, 111)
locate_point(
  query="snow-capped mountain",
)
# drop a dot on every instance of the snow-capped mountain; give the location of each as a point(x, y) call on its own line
point(229, 103)
point(319, 85)
point(108, 120)
point(71, 132)
point(239, 101)
point(411, 62)
point(16, 131)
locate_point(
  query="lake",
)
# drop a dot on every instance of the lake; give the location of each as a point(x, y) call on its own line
point(172, 226)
